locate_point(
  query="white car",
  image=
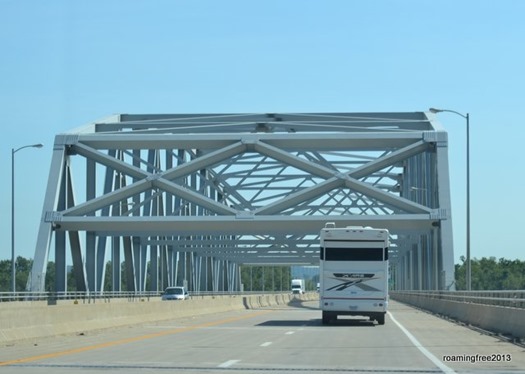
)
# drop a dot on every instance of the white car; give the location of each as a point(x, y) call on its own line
point(175, 293)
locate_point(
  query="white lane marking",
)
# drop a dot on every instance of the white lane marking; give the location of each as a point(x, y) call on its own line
point(290, 332)
point(266, 344)
point(444, 368)
point(228, 363)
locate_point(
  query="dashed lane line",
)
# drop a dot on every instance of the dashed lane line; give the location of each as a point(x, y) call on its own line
point(127, 340)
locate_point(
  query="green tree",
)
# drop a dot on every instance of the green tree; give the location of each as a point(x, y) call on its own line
point(5, 276)
point(491, 274)
point(50, 285)
point(266, 278)
point(22, 271)
point(460, 271)
point(108, 286)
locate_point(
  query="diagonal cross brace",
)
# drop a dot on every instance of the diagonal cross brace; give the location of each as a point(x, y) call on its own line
point(348, 179)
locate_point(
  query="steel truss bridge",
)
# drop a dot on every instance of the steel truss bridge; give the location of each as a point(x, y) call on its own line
point(190, 198)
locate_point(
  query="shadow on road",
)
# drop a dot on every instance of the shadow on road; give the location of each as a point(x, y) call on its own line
point(343, 321)
point(298, 303)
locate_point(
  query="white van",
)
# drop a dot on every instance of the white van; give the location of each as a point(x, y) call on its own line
point(175, 293)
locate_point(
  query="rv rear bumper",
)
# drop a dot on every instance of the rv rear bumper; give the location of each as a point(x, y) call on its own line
point(354, 306)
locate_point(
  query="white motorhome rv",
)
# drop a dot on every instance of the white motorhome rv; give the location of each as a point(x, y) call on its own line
point(354, 272)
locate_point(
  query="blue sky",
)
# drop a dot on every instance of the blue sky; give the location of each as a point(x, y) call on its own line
point(68, 63)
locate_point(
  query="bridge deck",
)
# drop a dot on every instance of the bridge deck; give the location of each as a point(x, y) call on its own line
point(273, 339)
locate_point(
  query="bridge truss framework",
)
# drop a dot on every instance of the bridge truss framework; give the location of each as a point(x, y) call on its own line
point(189, 198)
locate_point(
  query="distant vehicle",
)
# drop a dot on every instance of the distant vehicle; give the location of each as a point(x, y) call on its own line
point(175, 293)
point(354, 272)
point(298, 286)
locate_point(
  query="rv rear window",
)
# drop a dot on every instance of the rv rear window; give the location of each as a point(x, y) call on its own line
point(354, 254)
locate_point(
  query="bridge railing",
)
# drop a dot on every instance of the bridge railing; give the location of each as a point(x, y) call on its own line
point(50, 296)
point(130, 295)
point(514, 299)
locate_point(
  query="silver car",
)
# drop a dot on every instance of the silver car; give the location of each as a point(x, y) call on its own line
point(175, 293)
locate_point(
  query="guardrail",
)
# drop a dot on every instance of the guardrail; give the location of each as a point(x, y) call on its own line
point(50, 296)
point(514, 299)
point(501, 312)
point(106, 295)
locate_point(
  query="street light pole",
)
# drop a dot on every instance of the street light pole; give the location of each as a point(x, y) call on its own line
point(467, 118)
point(13, 259)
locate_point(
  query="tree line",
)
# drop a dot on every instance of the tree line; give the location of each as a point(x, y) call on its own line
point(23, 269)
point(486, 274)
point(253, 278)
point(491, 274)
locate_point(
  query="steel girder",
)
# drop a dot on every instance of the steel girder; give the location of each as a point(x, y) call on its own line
point(198, 195)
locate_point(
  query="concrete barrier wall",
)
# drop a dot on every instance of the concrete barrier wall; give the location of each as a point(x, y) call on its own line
point(498, 319)
point(37, 319)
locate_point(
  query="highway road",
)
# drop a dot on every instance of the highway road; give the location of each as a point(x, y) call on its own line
point(272, 340)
